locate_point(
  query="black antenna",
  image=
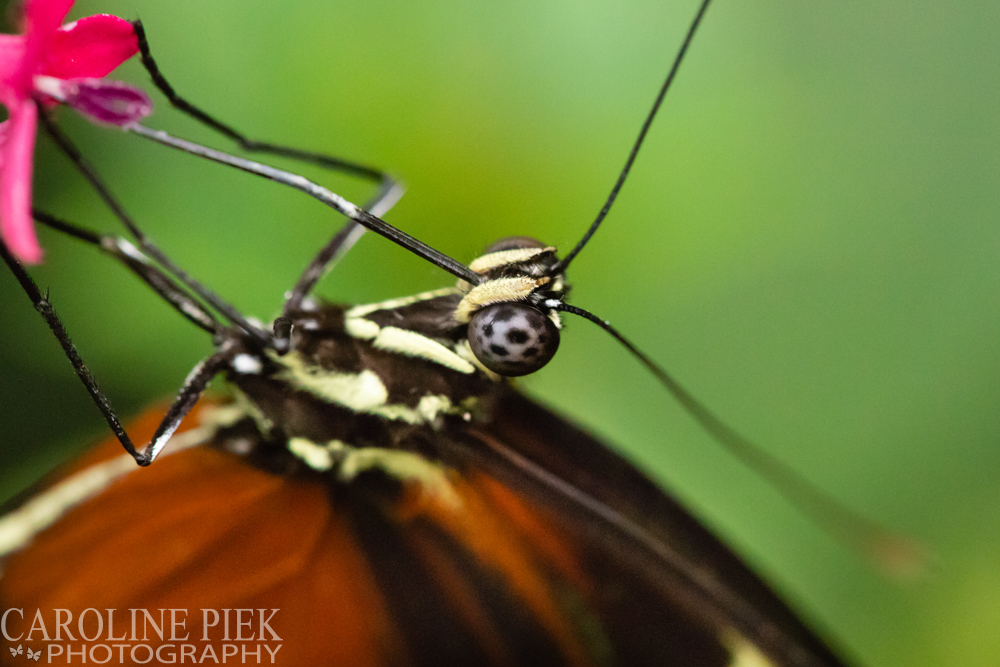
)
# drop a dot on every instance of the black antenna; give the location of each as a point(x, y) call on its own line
point(896, 553)
point(564, 262)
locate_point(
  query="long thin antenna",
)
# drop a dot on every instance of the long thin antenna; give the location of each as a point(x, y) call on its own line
point(897, 554)
point(564, 262)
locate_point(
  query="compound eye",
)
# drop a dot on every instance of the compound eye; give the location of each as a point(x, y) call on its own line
point(513, 338)
point(513, 243)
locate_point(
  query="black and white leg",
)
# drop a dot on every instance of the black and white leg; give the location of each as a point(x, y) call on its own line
point(388, 193)
point(320, 193)
point(245, 143)
point(143, 241)
point(133, 259)
point(193, 387)
point(48, 313)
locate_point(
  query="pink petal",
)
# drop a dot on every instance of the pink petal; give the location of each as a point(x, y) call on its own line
point(11, 53)
point(16, 225)
point(42, 18)
point(90, 47)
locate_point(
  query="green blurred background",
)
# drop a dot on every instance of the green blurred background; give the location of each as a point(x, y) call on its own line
point(809, 241)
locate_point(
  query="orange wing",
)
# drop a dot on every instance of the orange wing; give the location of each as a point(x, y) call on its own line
point(360, 576)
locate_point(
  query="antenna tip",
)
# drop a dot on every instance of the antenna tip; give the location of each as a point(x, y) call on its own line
point(899, 556)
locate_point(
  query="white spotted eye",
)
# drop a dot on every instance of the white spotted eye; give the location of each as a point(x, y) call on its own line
point(513, 338)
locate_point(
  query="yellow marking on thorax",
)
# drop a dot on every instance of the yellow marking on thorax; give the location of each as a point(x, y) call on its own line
point(407, 343)
point(412, 344)
point(517, 288)
point(361, 392)
point(366, 309)
point(504, 257)
point(360, 328)
point(316, 456)
point(429, 479)
point(427, 410)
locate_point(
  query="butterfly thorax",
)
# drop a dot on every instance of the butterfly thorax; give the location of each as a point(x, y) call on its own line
point(389, 377)
point(381, 376)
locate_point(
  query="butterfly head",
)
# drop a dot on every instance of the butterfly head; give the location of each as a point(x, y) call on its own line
point(513, 327)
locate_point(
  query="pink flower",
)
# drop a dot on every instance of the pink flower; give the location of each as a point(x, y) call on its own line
point(55, 64)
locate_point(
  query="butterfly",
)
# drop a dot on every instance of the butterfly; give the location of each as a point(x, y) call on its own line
point(34, 655)
point(480, 548)
point(16, 651)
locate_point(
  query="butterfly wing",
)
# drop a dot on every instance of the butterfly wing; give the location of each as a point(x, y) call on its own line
point(663, 584)
point(205, 530)
point(494, 566)
point(366, 573)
